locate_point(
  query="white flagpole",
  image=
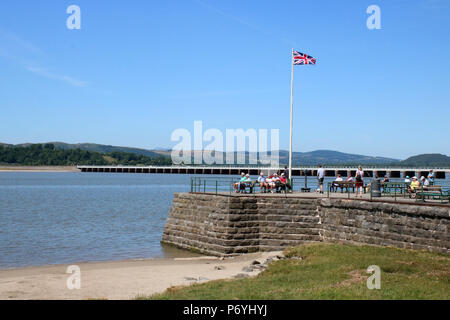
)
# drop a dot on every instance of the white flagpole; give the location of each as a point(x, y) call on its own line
point(292, 101)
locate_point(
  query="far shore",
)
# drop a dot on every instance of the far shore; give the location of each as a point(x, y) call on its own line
point(125, 279)
point(39, 169)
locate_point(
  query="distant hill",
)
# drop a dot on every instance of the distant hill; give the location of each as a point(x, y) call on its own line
point(331, 157)
point(325, 157)
point(427, 160)
point(48, 155)
point(101, 148)
point(5, 144)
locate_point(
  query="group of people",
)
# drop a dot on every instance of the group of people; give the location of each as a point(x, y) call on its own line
point(270, 184)
point(358, 180)
point(412, 185)
point(416, 183)
point(277, 183)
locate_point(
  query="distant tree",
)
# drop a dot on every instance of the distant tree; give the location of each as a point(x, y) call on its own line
point(38, 154)
point(49, 146)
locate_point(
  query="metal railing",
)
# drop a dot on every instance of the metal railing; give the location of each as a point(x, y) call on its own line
point(388, 189)
point(223, 185)
point(347, 186)
point(226, 185)
point(393, 190)
point(265, 167)
point(211, 185)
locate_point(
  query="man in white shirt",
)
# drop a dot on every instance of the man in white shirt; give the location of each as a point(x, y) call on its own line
point(262, 182)
point(320, 177)
point(338, 179)
point(276, 181)
point(269, 184)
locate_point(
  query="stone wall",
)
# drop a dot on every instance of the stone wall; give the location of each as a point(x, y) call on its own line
point(408, 226)
point(226, 225)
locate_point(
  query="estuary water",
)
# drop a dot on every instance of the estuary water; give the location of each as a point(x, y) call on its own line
point(60, 218)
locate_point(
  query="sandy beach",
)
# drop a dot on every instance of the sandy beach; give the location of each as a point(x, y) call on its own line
point(39, 169)
point(121, 279)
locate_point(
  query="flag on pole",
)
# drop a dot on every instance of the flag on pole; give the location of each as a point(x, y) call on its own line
point(299, 58)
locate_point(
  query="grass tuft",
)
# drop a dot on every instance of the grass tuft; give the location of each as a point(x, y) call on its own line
point(333, 271)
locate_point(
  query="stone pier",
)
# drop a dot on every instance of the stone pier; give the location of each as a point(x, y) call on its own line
point(227, 225)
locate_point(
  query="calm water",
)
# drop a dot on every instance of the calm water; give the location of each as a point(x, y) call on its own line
point(59, 218)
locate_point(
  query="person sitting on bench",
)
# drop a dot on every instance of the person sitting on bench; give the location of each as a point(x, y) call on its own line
point(415, 184)
point(262, 182)
point(270, 183)
point(336, 185)
point(284, 183)
point(237, 184)
point(245, 182)
point(276, 181)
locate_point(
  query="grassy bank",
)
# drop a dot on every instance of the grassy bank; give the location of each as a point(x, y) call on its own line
point(329, 271)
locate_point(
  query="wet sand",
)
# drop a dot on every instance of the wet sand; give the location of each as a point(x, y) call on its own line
point(121, 279)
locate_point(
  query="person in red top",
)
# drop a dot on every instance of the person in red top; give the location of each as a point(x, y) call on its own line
point(283, 182)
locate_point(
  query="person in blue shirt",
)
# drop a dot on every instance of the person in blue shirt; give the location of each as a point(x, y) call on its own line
point(431, 177)
point(262, 182)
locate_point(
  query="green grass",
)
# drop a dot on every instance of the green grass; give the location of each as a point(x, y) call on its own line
point(333, 271)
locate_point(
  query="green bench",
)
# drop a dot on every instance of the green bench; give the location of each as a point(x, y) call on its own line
point(335, 185)
point(394, 189)
point(432, 193)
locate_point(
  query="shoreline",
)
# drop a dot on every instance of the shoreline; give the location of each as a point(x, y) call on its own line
point(39, 169)
point(123, 279)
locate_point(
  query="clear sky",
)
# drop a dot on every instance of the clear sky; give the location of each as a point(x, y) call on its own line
point(137, 70)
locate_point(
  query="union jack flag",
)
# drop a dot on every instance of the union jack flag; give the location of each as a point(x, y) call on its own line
point(301, 58)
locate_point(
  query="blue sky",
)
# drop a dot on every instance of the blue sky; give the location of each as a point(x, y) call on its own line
point(137, 70)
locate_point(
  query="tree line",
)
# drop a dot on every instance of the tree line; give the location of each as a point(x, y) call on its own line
point(48, 155)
